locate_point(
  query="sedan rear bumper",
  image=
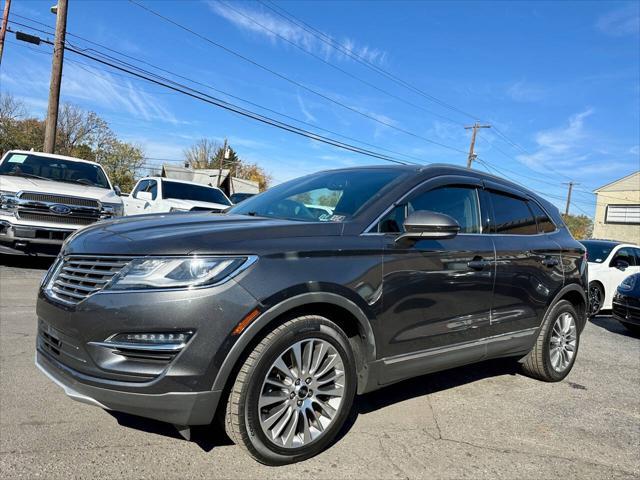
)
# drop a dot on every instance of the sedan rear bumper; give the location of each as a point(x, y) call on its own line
point(179, 408)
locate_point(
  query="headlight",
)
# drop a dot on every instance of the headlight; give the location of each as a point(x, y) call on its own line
point(8, 203)
point(113, 209)
point(178, 272)
point(627, 283)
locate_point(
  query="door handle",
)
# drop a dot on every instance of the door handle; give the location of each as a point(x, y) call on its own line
point(550, 261)
point(478, 264)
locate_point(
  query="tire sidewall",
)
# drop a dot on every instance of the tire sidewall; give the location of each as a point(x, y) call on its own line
point(308, 327)
point(561, 307)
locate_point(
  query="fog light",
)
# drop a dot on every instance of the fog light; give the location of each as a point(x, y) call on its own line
point(155, 338)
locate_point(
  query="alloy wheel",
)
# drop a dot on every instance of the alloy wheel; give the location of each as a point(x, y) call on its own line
point(563, 342)
point(302, 393)
point(595, 299)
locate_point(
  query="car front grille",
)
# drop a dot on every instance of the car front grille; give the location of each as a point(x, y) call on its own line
point(61, 199)
point(76, 277)
point(44, 217)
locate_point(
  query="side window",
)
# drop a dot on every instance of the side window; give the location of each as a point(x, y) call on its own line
point(153, 189)
point(512, 215)
point(625, 254)
point(460, 203)
point(141, 187)
point(545, 225)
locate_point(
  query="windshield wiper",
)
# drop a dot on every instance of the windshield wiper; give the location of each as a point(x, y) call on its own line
point(27, 175)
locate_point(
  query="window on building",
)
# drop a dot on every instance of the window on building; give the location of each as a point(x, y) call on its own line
point(623, 214)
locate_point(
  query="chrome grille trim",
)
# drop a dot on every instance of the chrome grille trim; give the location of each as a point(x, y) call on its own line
point(63, 199)
point(43, 217)
point(76, 277)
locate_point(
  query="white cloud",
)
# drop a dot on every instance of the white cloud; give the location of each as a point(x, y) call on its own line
point(309, 117)
point(621, 22)
point(525, 92)
point(635, 150)
point(561, 146)
point(278, 30)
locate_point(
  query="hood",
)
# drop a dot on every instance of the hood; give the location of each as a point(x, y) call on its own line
point(189, 204)
point(185, 233)
point(11, 183)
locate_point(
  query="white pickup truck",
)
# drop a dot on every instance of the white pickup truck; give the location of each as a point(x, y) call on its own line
point(46, 197)
point(158, 194)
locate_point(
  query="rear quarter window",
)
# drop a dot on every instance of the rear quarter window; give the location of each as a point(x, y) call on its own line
point(512, 215)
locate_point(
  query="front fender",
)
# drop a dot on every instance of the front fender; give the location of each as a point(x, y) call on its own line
point(273, 312)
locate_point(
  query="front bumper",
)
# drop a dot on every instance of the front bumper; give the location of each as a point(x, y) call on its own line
point(180, 408)
point(32, 238)
point(177, 390)
point(624, 312)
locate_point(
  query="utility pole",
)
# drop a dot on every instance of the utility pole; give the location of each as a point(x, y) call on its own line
point(571, 184)
point(3, 28)
point(474, 127)
point(222, 159)
point(56, 76)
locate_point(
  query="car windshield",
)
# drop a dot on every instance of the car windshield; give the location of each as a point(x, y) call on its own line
point(324, 197)
point(30, 165)
point(598, 252)
point(197, 193)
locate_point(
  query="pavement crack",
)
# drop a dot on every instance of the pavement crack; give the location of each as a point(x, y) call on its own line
point(435, 418)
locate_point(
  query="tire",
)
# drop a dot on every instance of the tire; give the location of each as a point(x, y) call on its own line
point(596, 298)
point(632, 328)
point(550, 364)
point(250, 414)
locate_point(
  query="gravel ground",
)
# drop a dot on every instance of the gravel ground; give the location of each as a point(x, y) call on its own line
point(481, 421)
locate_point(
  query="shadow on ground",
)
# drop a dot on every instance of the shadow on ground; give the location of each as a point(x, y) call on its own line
point(609, 323)
point(26, 261)
point(211, 436)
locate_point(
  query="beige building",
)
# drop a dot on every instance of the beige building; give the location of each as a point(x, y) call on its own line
point(618, 210)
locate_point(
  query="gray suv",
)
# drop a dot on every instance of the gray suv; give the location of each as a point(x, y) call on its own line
point(276, 314)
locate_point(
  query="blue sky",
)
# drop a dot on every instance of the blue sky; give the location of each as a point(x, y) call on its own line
point(560, 80)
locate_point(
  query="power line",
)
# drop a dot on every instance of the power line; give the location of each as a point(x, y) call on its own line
point(167, 83)
point(280, 11)
point(294, 82)
point(326, 62)
point(411, 158)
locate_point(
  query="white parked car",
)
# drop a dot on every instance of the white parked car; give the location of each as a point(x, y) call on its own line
point(45, 197)
point(157, 195)
point(609, 264)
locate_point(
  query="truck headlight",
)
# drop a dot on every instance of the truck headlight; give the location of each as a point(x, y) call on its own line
point(178, 272)
point(8, 203)
point(112, 209)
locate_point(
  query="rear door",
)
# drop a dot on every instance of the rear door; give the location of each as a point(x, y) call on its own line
point(528, 262)
point(437, 293)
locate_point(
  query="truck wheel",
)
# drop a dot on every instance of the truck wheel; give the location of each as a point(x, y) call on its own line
point(554, 353)
point(293, 393)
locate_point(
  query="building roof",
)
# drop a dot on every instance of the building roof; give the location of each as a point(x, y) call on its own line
point(630, 182)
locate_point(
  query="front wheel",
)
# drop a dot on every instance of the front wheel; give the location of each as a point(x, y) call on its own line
point(554, 353)
point(294, 392)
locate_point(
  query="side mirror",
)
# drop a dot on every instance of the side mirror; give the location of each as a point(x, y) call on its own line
point(116, 188)
point(146, 196)
point(424, 224)
point(621, 264)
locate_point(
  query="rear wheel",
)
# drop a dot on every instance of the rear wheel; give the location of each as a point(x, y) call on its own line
point(596, 298)
point(294, 392)
point(554, 353)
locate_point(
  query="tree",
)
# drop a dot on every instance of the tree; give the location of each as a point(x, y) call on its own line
point(580, 226)
point(201, 154)
point(80, 133)
point(206, 153)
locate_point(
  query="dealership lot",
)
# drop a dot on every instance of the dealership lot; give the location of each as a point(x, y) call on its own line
point(482, 421)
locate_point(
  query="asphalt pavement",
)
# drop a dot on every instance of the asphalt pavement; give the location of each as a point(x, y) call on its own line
point(480, 421)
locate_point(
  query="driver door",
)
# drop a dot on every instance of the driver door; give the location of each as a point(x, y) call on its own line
point(437, 293)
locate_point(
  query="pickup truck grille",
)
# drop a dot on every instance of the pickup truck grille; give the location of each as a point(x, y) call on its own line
point(43, 217)
point(62, 199)
point(58, 209)
point(78, 277)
